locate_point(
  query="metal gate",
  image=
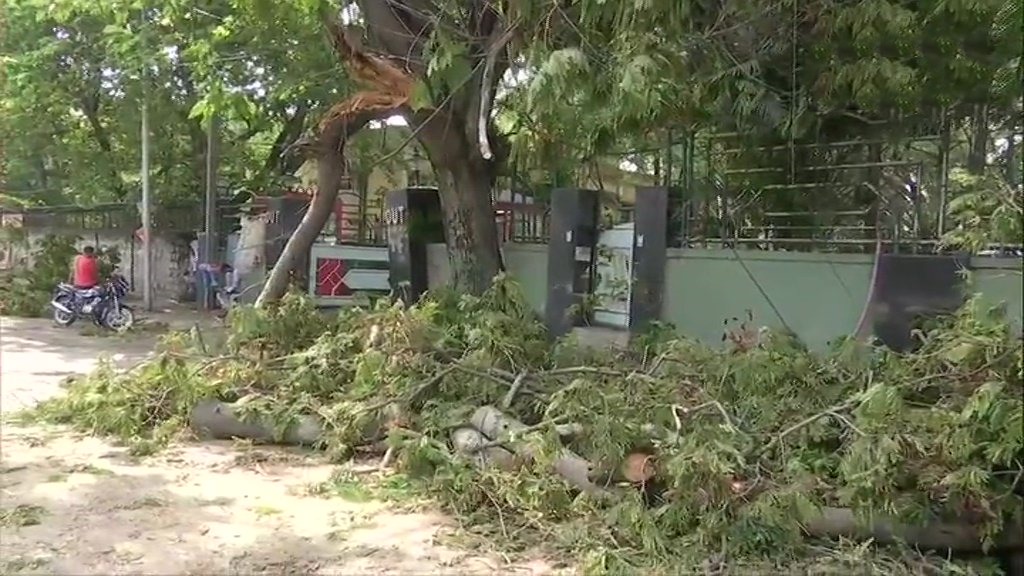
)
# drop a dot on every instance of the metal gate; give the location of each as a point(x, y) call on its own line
point(613, 286)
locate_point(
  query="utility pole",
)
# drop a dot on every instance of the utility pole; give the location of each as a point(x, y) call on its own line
point(147, 253)
point(210, 213)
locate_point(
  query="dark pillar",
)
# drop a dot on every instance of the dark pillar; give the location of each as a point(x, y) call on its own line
point(412, 219)
point(910, 287)
point(571, 253)
point(650, 241)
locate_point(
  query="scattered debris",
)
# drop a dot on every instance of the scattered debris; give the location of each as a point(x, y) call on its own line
point(22, 515)
point(673, 457)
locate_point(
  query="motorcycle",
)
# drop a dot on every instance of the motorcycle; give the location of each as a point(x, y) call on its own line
point(103, 303)
point(226, 299)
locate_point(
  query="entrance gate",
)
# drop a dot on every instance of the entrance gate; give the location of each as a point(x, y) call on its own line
point(626, 269)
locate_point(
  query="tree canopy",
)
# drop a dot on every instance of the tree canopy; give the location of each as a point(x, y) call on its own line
point(490, 89)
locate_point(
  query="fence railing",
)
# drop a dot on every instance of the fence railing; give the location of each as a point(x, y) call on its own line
point(522, 223)
point(695, 224)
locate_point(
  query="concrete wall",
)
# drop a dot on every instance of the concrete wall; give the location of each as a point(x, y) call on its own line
point(1000, 280)
point(527, 263)
point(819, 296)
point(170, 257)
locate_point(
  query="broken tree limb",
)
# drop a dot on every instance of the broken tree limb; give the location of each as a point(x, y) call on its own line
point(498, 426)
point(388, 90)
point(342, 121)
point(940, 536)
point(220, 420)
point(510, 397)
point(472, 444)
point(497, 44)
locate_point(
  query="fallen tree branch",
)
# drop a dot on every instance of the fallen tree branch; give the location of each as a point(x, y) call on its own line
point(676, 410)
point(472, 444)
point(945, 537)
point(575, 470)
point(510, 397)
point(219, 420)
point(808, 421)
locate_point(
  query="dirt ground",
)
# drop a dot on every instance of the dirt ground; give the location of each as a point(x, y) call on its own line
point(75, 504)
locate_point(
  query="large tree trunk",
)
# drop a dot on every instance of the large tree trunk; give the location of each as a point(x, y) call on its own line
point(470, 230)
point(465, 181)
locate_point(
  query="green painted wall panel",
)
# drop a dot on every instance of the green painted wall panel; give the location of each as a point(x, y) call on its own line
point(819, 296)
point(528, 264)
point(1002, 284)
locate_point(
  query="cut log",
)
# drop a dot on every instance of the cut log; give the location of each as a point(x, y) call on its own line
point(638, 467)
point(472, 444)
point(219, 420)
point(943, 537)
point(496, 425)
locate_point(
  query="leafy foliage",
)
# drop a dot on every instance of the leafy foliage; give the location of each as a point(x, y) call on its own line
point(984, 210)
point(749, 443)
point(74, 87)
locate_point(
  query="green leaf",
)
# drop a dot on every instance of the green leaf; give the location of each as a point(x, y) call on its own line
point(201, 109)
point(958, 353)
point(420, 97)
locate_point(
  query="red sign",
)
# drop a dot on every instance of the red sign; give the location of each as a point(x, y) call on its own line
point(330, 275)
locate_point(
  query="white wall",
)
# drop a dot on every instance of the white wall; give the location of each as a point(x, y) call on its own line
point(169, 259)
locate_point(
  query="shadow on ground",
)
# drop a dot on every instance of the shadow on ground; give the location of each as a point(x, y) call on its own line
point(75, 505)
point(72, 504)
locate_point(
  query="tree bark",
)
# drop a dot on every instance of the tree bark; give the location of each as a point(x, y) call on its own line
point(977, 156)
point(335, 131)
point(470, 230)
point(575, 470)
point(465, 181)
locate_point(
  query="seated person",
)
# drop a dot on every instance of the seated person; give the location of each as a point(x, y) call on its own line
point(85, 272)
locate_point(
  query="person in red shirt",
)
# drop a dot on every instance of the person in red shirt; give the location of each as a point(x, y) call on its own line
point(85, 271)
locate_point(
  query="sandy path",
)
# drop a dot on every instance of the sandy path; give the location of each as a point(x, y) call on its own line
point(73, 504)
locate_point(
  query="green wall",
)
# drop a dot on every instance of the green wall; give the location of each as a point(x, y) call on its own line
point(528, 264)
point(819, 296)
point(1000, 281)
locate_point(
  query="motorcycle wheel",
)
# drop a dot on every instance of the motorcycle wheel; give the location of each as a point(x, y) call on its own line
point(119, 318)
point(62, 318)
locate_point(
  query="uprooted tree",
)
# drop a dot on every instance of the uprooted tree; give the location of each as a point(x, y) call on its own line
point(593, 74)
point(594, 70)
point(456, 132)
